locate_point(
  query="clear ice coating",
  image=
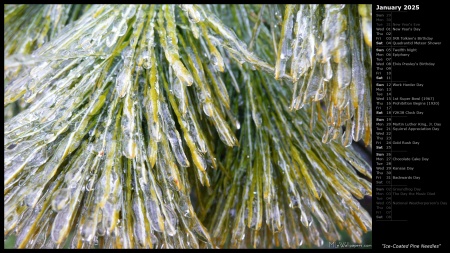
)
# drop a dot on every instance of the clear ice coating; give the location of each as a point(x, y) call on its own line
point(116, 115)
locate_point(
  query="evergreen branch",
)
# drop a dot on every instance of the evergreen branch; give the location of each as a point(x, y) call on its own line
point(155, 126)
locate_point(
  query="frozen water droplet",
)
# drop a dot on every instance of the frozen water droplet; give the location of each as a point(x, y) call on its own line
point(90, 184)
point(11, 221)
point(208, 109)
point(214, 60)
point(87, 231)
point(60, 225)
point(153, 211)
point(122, 30)
point(129, 12)
point(193, 15)
point(110, 39)
point(61, 199)
point(171, 221)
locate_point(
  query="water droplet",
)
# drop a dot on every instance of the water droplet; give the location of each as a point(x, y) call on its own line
point(238, 125)
point(85, 42)
point(90, 184)
point(208, 109)
point(87, 231)
point(214, 60)
point(110, 39)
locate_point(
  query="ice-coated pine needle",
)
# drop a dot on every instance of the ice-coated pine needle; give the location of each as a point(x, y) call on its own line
point(186, 126)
